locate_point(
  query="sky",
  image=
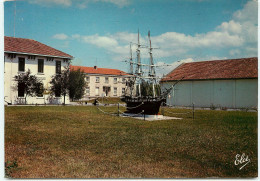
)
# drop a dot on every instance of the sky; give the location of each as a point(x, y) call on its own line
point(98, 32)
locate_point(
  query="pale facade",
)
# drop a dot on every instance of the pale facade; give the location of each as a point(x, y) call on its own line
point(43, 66)
point(103, 82)
point(105, 85)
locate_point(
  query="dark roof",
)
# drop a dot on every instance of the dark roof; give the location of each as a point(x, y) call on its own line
point(28, 46)
point(218, 69)
point(104, 71)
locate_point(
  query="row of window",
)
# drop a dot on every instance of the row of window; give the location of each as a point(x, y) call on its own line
point(21, 65)
point(21, 91)
point(106, 80)
point(97, 91)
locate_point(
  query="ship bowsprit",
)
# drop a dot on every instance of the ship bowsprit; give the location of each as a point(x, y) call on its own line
point(140, 105)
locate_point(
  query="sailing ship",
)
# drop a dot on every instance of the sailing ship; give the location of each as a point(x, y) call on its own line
point(143, 93)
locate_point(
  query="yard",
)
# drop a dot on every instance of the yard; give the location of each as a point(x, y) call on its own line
point(81, 142)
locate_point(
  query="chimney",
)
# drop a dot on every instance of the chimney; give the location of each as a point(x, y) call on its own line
point(95, 67)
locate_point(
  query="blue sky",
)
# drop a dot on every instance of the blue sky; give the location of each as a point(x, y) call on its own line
point(99, 31)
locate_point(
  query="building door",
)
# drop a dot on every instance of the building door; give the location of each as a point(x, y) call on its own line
point(106, 90)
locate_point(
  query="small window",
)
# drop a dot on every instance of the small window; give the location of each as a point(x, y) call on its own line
point(87, 91)
point(40, 65)
point(115, 80)
point(58, 67)
point(39, 92)
point(97, 91)
point(97, 79)
point(123, 91)
point(115, 91)
point(21, 88)
point(21, 66)
point(123, 80)
point(106, 80)
point(57, 92)
point(87, 79)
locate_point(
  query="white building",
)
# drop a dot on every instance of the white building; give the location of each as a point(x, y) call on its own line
point(43, 61)
point(103, 82)
point(221, 83)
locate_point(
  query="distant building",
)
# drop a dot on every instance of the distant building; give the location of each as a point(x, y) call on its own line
point(21, 54)
point(220, 83)
point(103, 82)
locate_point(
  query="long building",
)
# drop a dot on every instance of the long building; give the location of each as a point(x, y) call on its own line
point(21, 54)
point(221, 83)
point(103, 82)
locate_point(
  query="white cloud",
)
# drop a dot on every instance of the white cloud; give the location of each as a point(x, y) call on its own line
point(60, 36)
point(234, 52)
point(78, 3)
point(51, 2)
point(119, 3)
point(238, 37)
point(100, 41)
point(164, 69)
point(230, 27)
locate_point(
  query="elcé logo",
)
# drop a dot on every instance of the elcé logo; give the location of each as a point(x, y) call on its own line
point(242, 160)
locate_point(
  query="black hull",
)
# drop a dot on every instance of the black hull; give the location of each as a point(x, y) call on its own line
point(149, 106)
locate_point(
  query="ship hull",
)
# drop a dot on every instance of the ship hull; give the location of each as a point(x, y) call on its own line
point(147, 106)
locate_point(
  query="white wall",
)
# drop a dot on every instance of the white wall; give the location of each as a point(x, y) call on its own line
point(92, 84)
point(11, 69)
point(241, 93)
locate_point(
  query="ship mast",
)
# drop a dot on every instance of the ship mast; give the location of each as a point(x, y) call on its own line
point(131, 61)
point(151, 66)
point(138, 69)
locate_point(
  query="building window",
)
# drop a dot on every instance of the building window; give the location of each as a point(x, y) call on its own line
point(97, 79)
point(115, 91)
point(21, 65)
point(39, 92)
point(21, 87)
point(106, 80)
point(123, 91)
point(87, 91)
point(58, 67)
point(40, 65)
point(123, 80)
point(115, 80)
point(57, 92)
point(87, 79)
point(97, 91)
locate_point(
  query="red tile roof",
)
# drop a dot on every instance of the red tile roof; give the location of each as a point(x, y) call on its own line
point(104, 71)
point(28, 46)
point(218, 69)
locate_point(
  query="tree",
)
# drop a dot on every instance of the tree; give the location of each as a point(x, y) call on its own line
point(68, 82)
point(77, 84)
point(28, 85)
point(60, 83)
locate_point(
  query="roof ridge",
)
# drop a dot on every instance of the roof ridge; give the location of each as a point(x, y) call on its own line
point(219, 60)
point(26, 45)
point(20, 38)
point(97, 67)
point(239, 68)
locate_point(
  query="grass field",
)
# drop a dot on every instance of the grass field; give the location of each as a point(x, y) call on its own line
point(104, 100)
point(81, 142)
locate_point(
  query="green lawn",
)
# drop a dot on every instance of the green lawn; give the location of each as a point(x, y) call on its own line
point(81, 142)
point(104, 100)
